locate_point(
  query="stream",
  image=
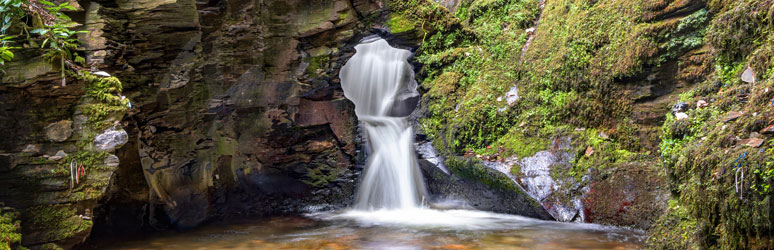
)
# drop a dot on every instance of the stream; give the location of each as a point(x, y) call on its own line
point(426, 229)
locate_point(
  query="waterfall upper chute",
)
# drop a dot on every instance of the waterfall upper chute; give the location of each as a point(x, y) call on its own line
point(380, 81)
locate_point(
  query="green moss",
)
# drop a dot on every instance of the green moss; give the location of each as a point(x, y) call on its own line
point(60, 221)
point(10, 228)
point(400, 24)
point(700, 153)
point(107, 105)
point(677, 230)
point(321, 175)
point(317, 63)
point(473, 170)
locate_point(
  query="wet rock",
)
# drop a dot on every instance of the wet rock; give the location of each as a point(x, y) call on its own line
point(426, 151)
point(59, 131)
point(111, 139)
point(537, 174)
point(473, 185)
point(680, 107)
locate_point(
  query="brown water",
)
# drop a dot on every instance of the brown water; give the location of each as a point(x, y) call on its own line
point(361, 231)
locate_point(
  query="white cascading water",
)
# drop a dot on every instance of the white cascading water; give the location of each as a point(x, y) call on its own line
point(380, 81)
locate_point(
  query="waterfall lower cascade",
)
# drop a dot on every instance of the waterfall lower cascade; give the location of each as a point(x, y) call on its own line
point(380, 81)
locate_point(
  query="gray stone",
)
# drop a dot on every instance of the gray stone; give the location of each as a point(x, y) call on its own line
point(111, 139)
point(59, 131)
point(512, 96)
point(31, 148)
point(112, 161)
point(680, 107)
point(749, 75)
point(59, 155)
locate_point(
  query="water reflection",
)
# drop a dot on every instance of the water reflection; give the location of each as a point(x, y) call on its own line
point(385, 230)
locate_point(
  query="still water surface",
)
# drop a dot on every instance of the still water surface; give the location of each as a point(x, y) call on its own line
point(419, 229)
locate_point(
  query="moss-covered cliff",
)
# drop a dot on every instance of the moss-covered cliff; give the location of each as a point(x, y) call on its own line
point(649, 112)
point(505, 79)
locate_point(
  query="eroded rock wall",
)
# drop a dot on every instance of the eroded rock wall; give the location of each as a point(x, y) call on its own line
point(236, 109)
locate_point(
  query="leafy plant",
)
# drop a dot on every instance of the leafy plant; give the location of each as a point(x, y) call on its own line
point(59, 41)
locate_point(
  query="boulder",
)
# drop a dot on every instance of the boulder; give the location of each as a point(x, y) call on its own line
point(112, 161)
point(59, 131)
point(680, 107)
point(111, 139)
point(58, 156)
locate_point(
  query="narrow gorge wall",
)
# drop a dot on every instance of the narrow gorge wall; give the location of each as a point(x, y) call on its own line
point(236, 110)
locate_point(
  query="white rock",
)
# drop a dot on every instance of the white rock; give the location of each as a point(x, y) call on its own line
point(749, 75)
point(59, 155)
point(102, 73)
point(111, 139)
point(31, 148)
point(681, 115)
point(512, 96)
point(701, 104)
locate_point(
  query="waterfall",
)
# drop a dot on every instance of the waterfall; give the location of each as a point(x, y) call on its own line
point(380, 81)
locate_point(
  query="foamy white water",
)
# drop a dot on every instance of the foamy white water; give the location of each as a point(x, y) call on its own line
point(380, 81)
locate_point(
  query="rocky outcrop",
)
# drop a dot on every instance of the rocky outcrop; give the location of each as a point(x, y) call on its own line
point(465, 184)
point(238, 109)
point(50, 170)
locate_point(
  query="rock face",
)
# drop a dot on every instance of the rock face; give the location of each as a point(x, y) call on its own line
point(236, 108)
point(46, 129)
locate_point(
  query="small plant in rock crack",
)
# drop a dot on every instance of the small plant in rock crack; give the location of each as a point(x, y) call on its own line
point(48, 23)
point(60, 40)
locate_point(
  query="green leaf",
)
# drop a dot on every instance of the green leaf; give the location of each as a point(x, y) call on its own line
point(70, 7)
point(6, 55)
point(47, 3)
point(39, 31)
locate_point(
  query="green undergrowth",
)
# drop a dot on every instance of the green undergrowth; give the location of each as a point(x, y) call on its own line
point(575, 79)
point(10, 228)
point(566, 76)
point(61, 222)
point(705, 154)
point(468, 66)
